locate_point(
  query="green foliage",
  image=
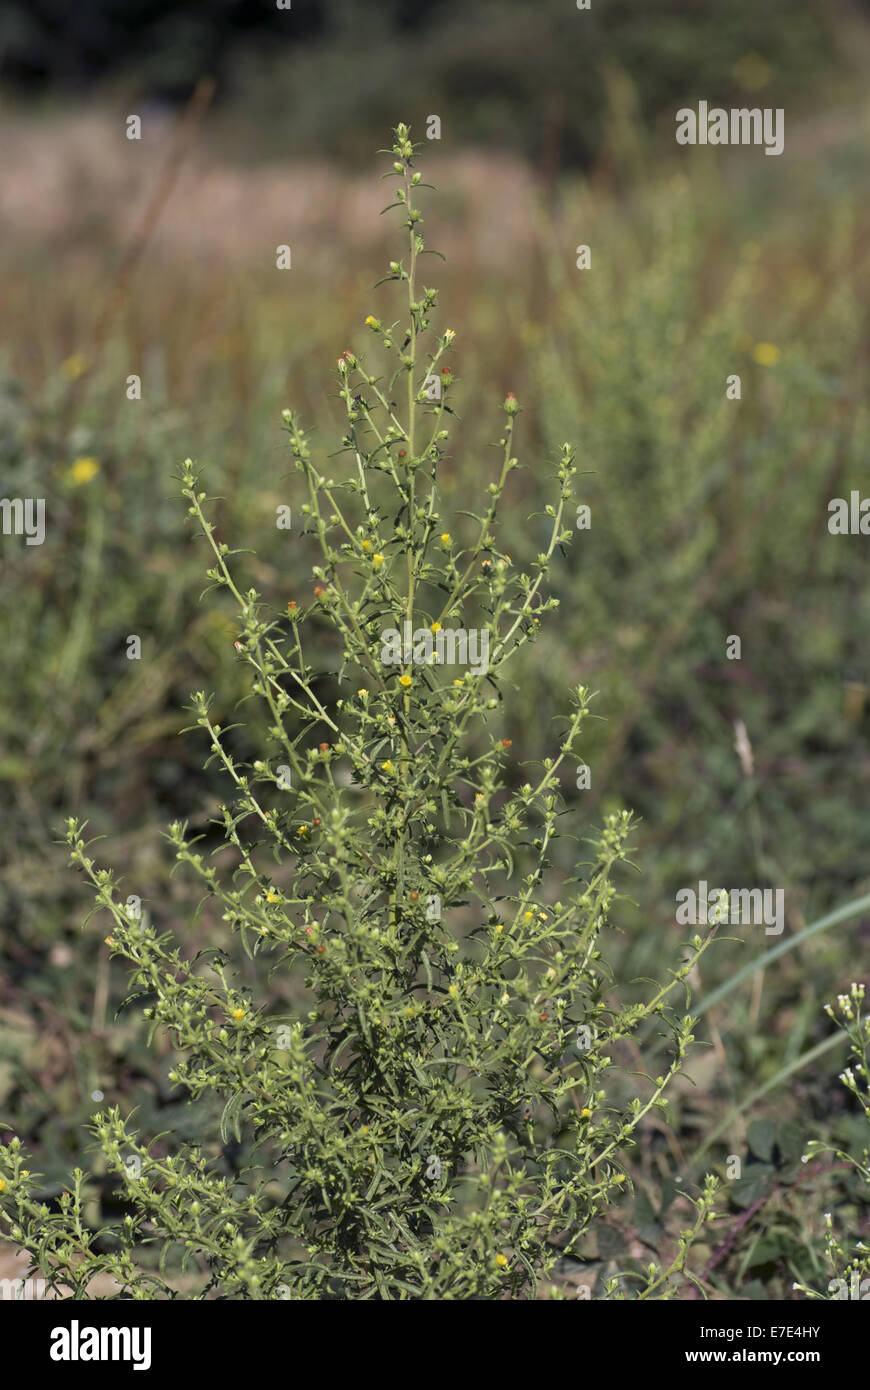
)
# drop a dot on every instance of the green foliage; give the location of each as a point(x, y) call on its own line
point(709, 518)
point(432, 1108)
point(849, 1265)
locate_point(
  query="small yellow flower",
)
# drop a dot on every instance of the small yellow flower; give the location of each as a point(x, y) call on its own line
point(445, 537)
point(766, 354)
point(620, 1177)
point(449, 335)
point(499, 926)
point(452, 990)
point(585, 1113)
point(371, 321)
point(364, 1130)
point(366, 544)
point(434, 627)
point(363, 694)
point(387, 766)
point(501, 1261)
point(405, 681)
point(752, 72)
point(271, 896)
point(303, 831)
point(2, 1184)
point(459, 681)
point(83, 470)
point(109, 940)
point(529, 916)
point(377, 560)
point(74, 366)
point(238, 1014)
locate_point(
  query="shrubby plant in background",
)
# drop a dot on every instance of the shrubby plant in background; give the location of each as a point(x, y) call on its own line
point(426, 1101)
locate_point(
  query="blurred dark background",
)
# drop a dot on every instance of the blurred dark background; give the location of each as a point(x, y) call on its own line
point(327, 72)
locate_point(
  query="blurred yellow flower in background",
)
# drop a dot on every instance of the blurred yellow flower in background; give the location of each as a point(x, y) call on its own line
point(766, 354)
point(83, 471)
point(752, 72)
point(74, 366)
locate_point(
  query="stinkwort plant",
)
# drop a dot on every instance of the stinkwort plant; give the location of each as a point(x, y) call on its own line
point(849, 1269)
point(438, 1112)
